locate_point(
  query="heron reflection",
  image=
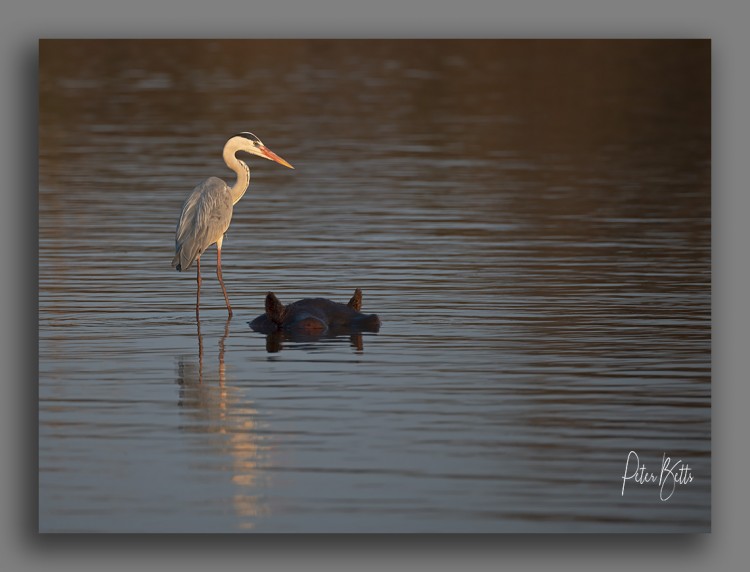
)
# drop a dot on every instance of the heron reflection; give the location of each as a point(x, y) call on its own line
point(228, 423)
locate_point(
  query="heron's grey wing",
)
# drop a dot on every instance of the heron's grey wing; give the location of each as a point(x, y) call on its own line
point(205, 217)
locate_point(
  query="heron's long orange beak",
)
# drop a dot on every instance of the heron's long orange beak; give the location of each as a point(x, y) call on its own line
point(268, 154)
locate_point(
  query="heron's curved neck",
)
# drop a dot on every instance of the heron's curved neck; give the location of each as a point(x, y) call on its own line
point(242, 170)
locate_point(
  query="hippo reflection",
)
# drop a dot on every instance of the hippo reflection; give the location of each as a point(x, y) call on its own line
point(315, 317)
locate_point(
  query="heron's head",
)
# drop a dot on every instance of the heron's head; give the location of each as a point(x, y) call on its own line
point(250, 143)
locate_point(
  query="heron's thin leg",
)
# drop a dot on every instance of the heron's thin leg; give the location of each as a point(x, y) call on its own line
point(221, 280)
point(200, 352)
point(198, 296)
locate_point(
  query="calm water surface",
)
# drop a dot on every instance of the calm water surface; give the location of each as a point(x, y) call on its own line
point(530, 220)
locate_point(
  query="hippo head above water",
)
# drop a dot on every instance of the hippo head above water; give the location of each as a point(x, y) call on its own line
point(315, 317)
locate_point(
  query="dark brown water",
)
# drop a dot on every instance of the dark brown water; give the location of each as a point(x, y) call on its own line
point(531, 221)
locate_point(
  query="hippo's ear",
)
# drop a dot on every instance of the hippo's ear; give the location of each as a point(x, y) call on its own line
point(356, 302)
point(274, 308)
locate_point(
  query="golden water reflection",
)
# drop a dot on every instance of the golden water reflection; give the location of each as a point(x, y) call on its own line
point(215, 407)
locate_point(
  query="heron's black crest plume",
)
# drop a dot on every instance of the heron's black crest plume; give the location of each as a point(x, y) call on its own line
point(249, 136)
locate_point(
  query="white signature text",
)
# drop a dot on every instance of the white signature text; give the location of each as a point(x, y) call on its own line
point(671, 475)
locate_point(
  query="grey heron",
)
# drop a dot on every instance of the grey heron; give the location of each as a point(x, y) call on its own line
point(207, 212)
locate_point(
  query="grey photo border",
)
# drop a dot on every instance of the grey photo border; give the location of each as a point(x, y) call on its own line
point(24, 24)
